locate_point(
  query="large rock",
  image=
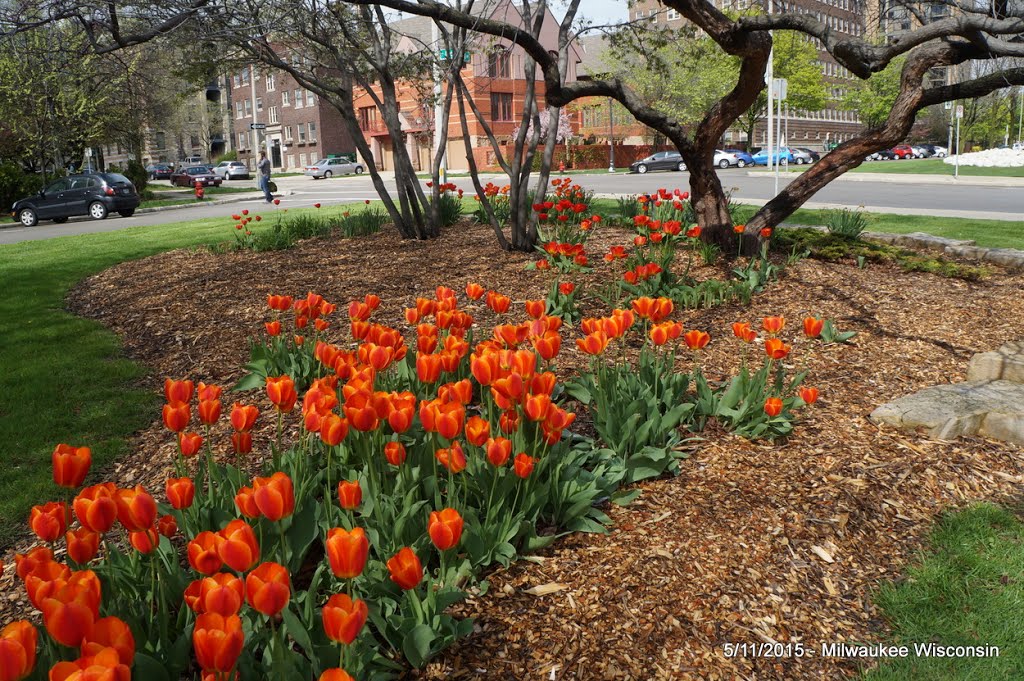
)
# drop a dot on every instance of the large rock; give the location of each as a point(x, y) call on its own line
point(1005, 364)
point(988, 408)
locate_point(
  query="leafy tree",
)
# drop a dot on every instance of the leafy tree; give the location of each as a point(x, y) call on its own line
point(873, 98)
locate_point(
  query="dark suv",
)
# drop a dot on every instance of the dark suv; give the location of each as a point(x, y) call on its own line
point(95, 195)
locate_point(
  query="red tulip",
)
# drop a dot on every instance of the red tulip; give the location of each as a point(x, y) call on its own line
point(24, 563)
point(350, 494)
point(452, 458)
point(110, 632)
point(498, 451)
point(204, 553)
point(96, 507)
point(167, 526)
point(813, 326)
point(335, 674)
point(18, 642)
point(347, 552)
point(394, 452)
point(241, 442)
point(773, 406)
point(773, 324)
point(190, 443)
point(243, 417)
point(135, 509)
point(809, 395)
point(333, 429)
point(178, 391)
point(405, 569)
point(209, 412)
point(274, 496)
point(267, 588)
point(223, 593)
point(176, 416)
point(523, 464)
point(70, 611)
point(180, 492)
point(273, 328)
point(239, 550)
point(144, 541)
point(281, 391)
point(775, 348)
point(217, 641)
point(246, 504)
point(445, 528)
point(70, 465)
point(474, 291)
point(593, 344)
point(695, 340)
point(83, 545)
point(344, 618)
point(49, 521)
point(477, 431)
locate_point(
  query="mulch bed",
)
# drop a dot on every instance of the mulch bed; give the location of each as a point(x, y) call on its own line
point(753, 542)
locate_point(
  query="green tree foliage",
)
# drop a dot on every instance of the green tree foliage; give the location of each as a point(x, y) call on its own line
point(873, 99)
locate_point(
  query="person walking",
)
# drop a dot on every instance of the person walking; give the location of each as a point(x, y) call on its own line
point(263, 167)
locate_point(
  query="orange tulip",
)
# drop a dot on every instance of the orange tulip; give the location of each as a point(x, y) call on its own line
point(695, 340)
point(217, 641)
point(144, 541)
point(743, 331)
point(394, 452)
point(70, 612)
point(239, 550)
point(773, 406)
point(267, 588)
point(498, 302)
point(24, 563)
point(813, 326)
point(204, 553)
point(498, 451)
point(474, 291)
point(344, 618)
point(49, 521)
point(83, 544)
point(167, 526)
point(773, 324)
point(178, 391)
point(246, 504)
point(536, 407)
point(548, 345)
point(477, 431)
point(180, 492)
point(347, 552)
point(449, 419)
point(103, 666)
point(350, 494)
point(96, 507)
point(775, 348)
point(273, 328)
point(209, 412)
point(523, 464)
point(452, 458)
point(509, 422)
point(110, 632)
point(739, 229)
point(593, 344)
point(274, 496)
point(70, 465)
point(445, 528)
point(405, 569)
point(18, 641)
point(190, 443)
point(536, 309)
point(135, 509)
point(360, 412)
point(335, 674)
point(333, 429)
point(809, 395)
point(428, 368)
point(223, 593)
point(281, 391)
point(243, 417)
point(176, 416)
point(403, 411)
point(241, 442)
point(43, 579)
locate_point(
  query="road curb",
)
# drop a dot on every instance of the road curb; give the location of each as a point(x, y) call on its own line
point(911, 178)
point(217, 202)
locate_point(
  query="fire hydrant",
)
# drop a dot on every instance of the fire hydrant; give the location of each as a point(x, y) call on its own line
point(200, 192)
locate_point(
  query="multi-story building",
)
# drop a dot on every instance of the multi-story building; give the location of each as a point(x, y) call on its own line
point(299, 128)
point(495, 79)
point(800, 128)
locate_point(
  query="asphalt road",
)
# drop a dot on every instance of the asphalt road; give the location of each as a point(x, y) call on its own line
point(1001, 203)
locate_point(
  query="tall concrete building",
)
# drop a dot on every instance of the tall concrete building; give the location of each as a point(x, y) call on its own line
point(814, 129)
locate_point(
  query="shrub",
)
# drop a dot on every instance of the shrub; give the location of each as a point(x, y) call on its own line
point(16, 184)
point(137, 174)
point(846, 223)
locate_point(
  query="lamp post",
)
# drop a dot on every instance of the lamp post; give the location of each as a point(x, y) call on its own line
point(1020, 116)
point(611, 137)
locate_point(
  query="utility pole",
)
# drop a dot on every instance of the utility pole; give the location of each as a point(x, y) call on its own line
point(959, 115)
point(770, 77)
point(439, 143)
point(1020, 116)
point(611, 137)
point(255, 115)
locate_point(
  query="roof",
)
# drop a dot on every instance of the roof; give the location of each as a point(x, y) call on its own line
point(594, 53)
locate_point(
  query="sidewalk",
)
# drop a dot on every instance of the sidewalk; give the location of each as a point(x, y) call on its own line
point(910, 178)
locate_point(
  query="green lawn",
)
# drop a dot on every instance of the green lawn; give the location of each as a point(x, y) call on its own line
point(66, 379)
point(967, 591)
point(926, 166)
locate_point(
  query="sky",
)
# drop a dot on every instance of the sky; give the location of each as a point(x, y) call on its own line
point(604, 10)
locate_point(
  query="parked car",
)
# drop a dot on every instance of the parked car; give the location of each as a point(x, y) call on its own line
point(187, 176)
point(743, 159)
point(936, 151)
point(725, 159)
point(159, 171)
point(921, 151)
point(815, 156)
point(231, 170)
point(662, 160)
point(326, 167)
point(902, 151)
point(93, 194)
point(191, 161)
point(883, 155)
point(783, 154)
point(1018, 146)
point(801, 157)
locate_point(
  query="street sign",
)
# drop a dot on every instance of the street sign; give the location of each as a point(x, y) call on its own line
point(948, 105)
point(779, 88)
point(959, 110)
point(257, 126)
point(450, 54)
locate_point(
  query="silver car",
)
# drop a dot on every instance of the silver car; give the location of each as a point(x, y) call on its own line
point(724, 159)
point(326, 167)
point(231, 170)
point(800, 157)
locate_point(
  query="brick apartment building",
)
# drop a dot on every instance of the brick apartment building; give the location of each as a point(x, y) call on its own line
point(299, 128)
point(814, 129)
point(494, 76)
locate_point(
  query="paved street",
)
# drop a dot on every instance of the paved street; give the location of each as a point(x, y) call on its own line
point(1000, 203)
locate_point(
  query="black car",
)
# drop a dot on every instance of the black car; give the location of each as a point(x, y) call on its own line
point(663, 160)
point(94, 194)
point(187, 176)
point(159, 171)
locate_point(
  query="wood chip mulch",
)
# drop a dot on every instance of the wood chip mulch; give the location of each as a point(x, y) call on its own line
point(754, 542)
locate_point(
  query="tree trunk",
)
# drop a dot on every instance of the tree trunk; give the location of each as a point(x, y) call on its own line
point(711, 205)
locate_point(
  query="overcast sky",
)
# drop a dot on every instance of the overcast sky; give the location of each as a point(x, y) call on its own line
point(604, 10)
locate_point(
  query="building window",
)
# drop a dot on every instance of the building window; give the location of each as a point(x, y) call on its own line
point(302, 134)
point(368, 117)
point(193, 141)
point(273, 114)
point(241, 140)
point(285, 98)
point(259, 104)
point(245, 77)
point(298, 98)
point(501, 106)
point(238, 109)
point(302, 159)
point(236, 80)
point(309, 98)
point(499, 65)
point(288, 133)
point(160, 141)
point(248, 108)
point(672, 15)
point(312, 132)
point(270, 82)
point(291, 160)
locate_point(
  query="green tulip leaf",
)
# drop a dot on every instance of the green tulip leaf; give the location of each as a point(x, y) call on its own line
point(416, 645)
